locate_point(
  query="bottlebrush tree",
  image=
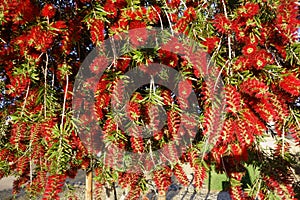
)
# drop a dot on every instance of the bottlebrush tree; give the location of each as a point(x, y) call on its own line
point(252, 44)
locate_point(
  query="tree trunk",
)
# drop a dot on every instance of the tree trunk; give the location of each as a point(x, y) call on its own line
point(89, 185)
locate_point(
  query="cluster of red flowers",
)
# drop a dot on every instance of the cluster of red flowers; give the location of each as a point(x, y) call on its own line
point(135, 18)
point(36, 38)
point(222, 23)
point(134, 108)
point(280, 189)
point(180, 175)
point(48, 11)
point(248, 10)
point(233, 99)
point(173, 3)
point(18, 12)
point(17, 86)
point(290, 84)
point(183, 23)
point(162, 179)
point(211, 43)
point(173, 122)
point(236, 191)
point(256, 41)
point(255, 88)
point(200, 175)
point(54, 186)
point(168, 58)
point(97, 30)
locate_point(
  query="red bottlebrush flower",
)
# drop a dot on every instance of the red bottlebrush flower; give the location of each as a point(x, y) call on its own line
point(58, 25)
point(153, 14)
point(185, 89)
point(251, 40)
point(191, 157)
point(123, 23)
point(249, 50)
point(129, 14)
point(265, 109)
point(173, 17)
point(152, 117)
point(102, 100)
point(166, 95)
point(162, 178)
point(109, 127)
point(233, 99)
point(281, 50)
point(173, 3)
point(222, 24)
point(117, 3)
point(190, 14)
point(248, 10)
point(290, 84)
point(295, 133)
point(22, 165)
point(212, 123)
point(168, 58)
point(111, 10)
point(48, 11)
point(17, 85)
point(236, 151)
point(134, 193)
point(133, 111)
point(281, 106)
point(254, 87)
point(200, 175)
point(117, 91)
point(253, 123)
point(189, 121)
point(141, 13)
point(123, 63)
point(236, 192)
point(102, 84)
point(97, 30)
point(137, 144)
point(173, 122)
point(259, 61)
point(241, 36)
point(180, 175)
point(137, 24)
point(54, 186)
point(181, 26)
point(137, 37)
point(244, 134)
point(242, 63)
point(127, 179)
point(227, 134)
point(211, 43)
point(158, 135)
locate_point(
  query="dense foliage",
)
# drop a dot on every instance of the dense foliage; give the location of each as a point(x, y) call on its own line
point(253, 45)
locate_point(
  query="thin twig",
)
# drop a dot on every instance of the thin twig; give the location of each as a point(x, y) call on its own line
point(25, 100)
point(259, 185)
point(160, 20)
point(45, 85)
point(172, 32)
point(229, 38)
point(295, 117)
point(283, 139)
